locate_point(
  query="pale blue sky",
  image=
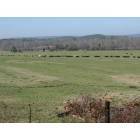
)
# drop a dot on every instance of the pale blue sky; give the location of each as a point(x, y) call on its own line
point(34, 27)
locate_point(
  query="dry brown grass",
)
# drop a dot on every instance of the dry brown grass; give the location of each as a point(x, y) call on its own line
point(85, 108)
point(130, 79)
point(90, 109)
point(23, 77)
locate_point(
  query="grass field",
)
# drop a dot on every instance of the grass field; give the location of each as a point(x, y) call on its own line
point(46, 82)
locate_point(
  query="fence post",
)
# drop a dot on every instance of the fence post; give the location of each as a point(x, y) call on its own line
point(30, 113)
point(107, 112)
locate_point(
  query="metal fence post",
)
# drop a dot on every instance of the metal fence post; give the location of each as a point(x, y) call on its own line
point(107, 112)
point(30, 113)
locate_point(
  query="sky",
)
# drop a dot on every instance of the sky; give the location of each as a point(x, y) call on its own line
point(39, 27)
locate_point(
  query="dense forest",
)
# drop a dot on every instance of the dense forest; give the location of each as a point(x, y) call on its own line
point(90, 42)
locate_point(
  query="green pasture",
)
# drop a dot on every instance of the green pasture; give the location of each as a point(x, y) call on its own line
point(47, 82)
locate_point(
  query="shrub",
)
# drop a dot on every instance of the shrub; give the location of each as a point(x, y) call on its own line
point(85, 56)
point(51, 56)
point(125, 56)
point(69, 56)
point(133, 87)
point(85, 108)
point(128, 113)
point(97, 56)
point(14, 49)
point(89, 109)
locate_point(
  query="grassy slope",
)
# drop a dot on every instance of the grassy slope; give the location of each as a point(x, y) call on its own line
point(47, 82)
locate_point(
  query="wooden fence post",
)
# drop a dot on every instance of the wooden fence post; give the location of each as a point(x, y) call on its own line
point(30, 113)
point(107, 112)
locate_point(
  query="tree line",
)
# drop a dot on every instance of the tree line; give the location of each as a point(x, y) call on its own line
point(91, 42)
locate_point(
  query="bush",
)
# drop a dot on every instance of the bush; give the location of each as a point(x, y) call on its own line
point(13, 49)
point(97, 56)
point(69, 56)
point(85, 56)
point(85, 108)
point(89, 109)
point(126, 56)
point(128, 113)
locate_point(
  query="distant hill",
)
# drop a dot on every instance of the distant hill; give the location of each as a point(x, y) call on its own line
point(135, 35)
point(88, 42)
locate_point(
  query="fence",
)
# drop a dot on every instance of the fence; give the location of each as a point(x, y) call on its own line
point(93, 110)
point(87, 109)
